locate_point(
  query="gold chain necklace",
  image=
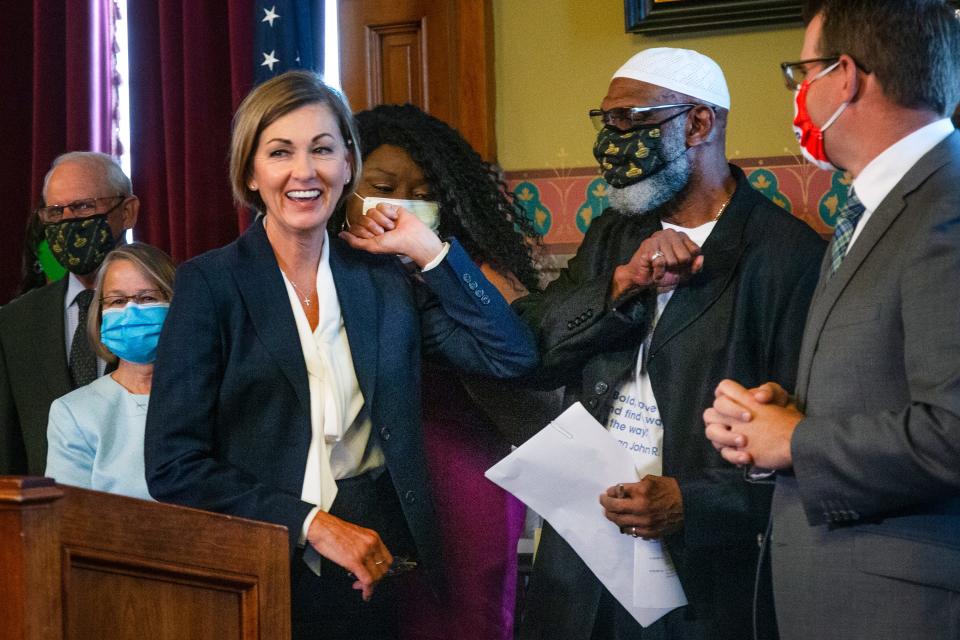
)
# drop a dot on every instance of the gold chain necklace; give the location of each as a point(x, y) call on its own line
point(305, 298)
point(723, 208)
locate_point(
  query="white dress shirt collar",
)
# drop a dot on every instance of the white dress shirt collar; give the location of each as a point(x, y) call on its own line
point(883, 173)
point(74, 287)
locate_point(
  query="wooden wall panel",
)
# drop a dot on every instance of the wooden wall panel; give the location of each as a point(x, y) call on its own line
point(397, 73)
point(476, 88)
point(437, 54)
point(209, 613)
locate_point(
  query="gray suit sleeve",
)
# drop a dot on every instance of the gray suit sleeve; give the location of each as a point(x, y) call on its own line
point(871, 463)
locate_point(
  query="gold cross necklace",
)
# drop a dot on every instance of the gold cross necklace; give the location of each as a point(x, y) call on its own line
point(305, 298)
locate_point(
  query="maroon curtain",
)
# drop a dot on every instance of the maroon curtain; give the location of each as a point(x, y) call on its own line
point(191, 63)
point(56, 87)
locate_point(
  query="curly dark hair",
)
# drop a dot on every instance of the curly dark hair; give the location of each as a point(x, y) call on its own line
point(475, 204)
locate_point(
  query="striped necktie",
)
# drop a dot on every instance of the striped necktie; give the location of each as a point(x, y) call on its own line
point(843, 231)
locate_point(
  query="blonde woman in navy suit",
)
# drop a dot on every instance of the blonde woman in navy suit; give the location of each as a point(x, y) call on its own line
point(287, 387)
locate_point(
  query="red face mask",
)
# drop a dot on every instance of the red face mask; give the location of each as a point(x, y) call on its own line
point(809, 135)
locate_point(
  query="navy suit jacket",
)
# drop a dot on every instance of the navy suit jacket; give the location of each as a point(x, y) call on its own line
point(228, 428)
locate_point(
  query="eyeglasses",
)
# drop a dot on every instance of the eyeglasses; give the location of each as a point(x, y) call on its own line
point(794, 73)
point(79, 208)
point(625, 118)
point(144, 296)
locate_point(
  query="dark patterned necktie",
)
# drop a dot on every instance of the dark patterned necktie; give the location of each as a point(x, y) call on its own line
point(83, 363)
point(843, 231)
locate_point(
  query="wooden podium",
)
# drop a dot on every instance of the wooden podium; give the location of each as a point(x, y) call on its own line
point(77, 564)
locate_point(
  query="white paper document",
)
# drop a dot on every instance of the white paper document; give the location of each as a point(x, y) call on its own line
point(560, 473)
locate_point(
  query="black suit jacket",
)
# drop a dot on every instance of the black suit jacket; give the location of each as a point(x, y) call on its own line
point(228, 427)
point(33, 373)
point(741, 317)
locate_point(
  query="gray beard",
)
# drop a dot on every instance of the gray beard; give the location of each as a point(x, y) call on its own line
point(661, 188)
point(652, 192)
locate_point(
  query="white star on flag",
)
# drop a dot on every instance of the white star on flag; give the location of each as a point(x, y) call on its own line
point(269, 16)
point(269, 60)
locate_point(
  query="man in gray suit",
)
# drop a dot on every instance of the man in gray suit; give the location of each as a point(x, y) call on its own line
point(44, 352)
point(866, 511)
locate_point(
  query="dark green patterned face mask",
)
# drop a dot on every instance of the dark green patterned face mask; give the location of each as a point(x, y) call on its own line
point(627, 157)
point(80, 244)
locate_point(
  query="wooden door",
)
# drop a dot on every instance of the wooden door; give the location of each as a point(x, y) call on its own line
point(436, 54)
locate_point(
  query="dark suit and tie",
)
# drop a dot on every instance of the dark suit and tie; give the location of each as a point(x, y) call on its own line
point(35, 370)
point(35, 365)
point(33, 373)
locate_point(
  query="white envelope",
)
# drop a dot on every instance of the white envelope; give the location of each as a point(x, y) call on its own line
point(560, 473)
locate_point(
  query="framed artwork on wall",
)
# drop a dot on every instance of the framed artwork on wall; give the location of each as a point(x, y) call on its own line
point(675, 16)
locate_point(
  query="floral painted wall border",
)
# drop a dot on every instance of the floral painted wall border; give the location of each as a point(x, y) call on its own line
point(563, 202)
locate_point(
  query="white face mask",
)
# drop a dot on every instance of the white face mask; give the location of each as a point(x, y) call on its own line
point(427, 211)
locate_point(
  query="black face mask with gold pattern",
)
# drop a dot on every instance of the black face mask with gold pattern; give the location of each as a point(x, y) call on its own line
point(80, 244)
point(627, 157)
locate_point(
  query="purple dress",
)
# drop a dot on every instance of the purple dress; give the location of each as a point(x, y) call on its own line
point(479, 523)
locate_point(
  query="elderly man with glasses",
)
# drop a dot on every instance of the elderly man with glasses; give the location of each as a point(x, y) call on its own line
point(44, 351)
point(690, 277)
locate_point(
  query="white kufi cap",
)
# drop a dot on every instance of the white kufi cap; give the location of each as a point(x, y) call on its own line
point(680, 70)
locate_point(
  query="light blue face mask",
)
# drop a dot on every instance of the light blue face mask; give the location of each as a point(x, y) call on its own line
point(131, 333)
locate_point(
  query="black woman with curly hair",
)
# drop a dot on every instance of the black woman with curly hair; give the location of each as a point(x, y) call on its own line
point(414, 160)
point(474, 204)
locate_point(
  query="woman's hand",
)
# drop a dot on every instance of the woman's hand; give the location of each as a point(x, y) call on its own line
point(357, 549)
point(391, 229)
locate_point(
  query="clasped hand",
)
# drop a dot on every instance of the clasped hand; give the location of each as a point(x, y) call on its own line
point(651, 508)
point(390, 229)
point(664, 260)
point(752, 426)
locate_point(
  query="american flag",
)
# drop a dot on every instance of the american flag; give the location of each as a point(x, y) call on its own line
point(288, 35)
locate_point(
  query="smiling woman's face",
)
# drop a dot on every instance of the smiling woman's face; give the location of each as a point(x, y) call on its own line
point(300, 168)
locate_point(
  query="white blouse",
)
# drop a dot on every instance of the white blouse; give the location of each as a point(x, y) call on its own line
point(340, 446)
